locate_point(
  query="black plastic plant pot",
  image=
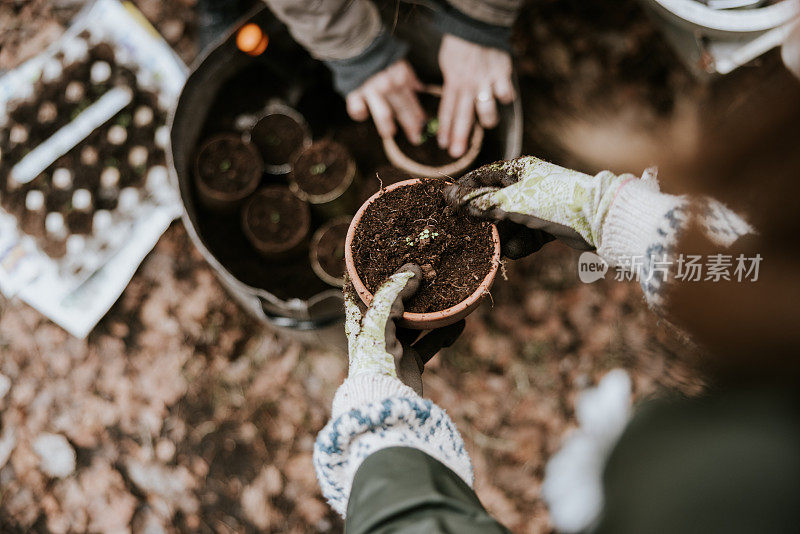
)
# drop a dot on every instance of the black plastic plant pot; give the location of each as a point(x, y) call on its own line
point(326, 252)
point(276, 222)
point(280, 135)
point(227, 170)
point(325, 175)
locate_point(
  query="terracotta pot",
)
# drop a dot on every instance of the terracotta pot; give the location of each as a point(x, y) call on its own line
point(313, 251)
point(421, 170)
point(276, 108)
point(429, 320)
point(337, 202)
point(277, 196)
point(227, 201)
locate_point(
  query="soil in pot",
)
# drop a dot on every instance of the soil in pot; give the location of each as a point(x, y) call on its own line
point(322, 168)
point(415, 224)
point(278, 137)
point(327, 252)
point(229, 168)
point(427, 152)
point(275, 221)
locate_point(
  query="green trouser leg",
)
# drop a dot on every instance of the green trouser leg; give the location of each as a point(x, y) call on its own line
point(401, 489)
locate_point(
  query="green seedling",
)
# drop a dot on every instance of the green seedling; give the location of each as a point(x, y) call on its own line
point(225, 165)
point(275, 217)
point(431, 129)
point(319, 168)
point(423, 238)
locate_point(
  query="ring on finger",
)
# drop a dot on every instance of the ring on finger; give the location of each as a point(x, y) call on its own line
point(484, 95)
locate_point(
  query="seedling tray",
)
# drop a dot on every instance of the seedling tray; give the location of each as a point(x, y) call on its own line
point(90, 127)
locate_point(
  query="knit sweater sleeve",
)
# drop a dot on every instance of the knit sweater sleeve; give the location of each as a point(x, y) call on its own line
point(643, 226)
point(372, 412)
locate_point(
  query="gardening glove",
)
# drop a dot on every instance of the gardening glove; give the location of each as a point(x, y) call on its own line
point(534, 202)
point(377, 346)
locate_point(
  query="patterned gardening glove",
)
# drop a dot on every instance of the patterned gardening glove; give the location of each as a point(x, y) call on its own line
point(377, 346)
point(534, 202)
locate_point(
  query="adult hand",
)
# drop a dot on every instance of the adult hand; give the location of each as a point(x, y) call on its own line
point(377, 346)
point(388, 95)
point(536, 202)
point(474, 76)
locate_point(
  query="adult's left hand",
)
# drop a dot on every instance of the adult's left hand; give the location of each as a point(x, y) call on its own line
point(377, 346)
point(474, 76)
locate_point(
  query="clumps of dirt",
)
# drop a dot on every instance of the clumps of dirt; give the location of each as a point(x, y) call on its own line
point(415, 225)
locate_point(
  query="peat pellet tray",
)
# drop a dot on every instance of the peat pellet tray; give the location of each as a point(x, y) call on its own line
point(226, 93)
point(84, 184)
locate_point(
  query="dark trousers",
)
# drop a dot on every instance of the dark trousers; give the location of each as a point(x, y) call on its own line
point(400, 489)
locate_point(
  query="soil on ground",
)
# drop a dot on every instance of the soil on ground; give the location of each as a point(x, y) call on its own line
point(414, 224)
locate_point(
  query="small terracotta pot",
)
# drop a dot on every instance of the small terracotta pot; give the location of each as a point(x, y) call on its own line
point(227, 201)
point(429, 320)
point(280, 196)
point(334, 203)
point(415, 168)
point(313, 251)
point(276, 108)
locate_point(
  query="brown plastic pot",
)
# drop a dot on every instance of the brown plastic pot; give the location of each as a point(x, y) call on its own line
point(400, 160)
point(227, 201)
point(428, 320)
point(277, 196)
point(313, 251)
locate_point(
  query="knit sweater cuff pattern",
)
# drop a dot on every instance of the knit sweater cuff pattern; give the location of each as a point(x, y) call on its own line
point(375, 412)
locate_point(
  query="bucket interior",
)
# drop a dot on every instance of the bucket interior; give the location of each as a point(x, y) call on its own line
point(228, 83)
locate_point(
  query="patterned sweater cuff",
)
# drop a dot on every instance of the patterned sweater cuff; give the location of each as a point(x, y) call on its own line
point(375, 412)
point(640, 218)
point(363, 389)
point(640, 233)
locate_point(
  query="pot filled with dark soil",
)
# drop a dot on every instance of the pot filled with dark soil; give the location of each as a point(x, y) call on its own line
point(276, 222)
point(327, 251)
point(280, 135)
point(425, 158)
point(325, 175)
point(227, 170)
point(410, 222)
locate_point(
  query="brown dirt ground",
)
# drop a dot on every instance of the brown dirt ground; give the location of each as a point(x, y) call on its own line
point(187, 416)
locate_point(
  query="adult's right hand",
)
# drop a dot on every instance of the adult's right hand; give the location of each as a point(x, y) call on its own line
point(534, 202)
point(390, 95)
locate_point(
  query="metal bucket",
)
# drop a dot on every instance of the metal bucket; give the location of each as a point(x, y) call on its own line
point(291, 75)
